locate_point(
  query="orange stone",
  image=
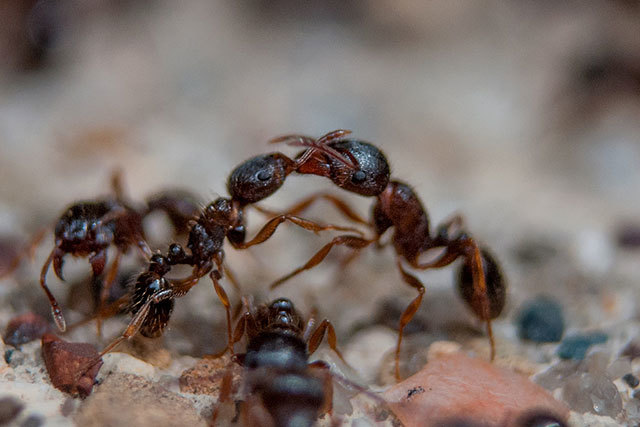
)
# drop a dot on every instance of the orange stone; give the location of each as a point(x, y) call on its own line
point(458, 387)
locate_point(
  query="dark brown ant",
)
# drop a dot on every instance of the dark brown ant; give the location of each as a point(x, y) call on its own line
point(282, 387)
point(397, 206)
point(89, 228)
point(250, 182)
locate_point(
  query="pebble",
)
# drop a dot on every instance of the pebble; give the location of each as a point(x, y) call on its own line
point(592, 393)
point(541, 320)
point(576, 346)
point(64, 359)
point(25, 328)
point(628, 236)
point(631, 380)
point(33, 421)
point(10, 408)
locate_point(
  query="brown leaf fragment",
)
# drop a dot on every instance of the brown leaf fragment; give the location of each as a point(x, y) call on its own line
point(64, 361)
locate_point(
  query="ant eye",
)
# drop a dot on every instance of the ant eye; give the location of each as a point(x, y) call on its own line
point(358, 177)
point(264, 176)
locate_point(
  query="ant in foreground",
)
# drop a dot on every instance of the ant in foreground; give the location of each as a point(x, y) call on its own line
point(282, 387)
point(397, 206)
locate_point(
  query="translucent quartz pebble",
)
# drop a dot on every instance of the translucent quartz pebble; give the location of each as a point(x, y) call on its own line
point(592, 393)
point(618, 368)
point(556, 375)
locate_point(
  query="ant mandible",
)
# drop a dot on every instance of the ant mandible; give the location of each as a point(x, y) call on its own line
point(397, 206)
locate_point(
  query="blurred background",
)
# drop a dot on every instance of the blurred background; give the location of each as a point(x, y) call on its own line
point(523, 116)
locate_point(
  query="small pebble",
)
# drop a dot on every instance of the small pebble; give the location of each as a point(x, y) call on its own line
point(24, 328)
point(64, 359)
point(628, 236)
point(631, 380)
point(33, 421)
point(576, 346)
point(10, 408)
point(592, 393)
point(636, 394)
point(541, 320)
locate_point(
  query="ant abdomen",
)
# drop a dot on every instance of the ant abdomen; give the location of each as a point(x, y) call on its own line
point(259, 177)
point(496, 286)
point(155, 322)
point(293, 399)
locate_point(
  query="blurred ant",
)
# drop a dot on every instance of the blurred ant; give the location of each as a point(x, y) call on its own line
point(397, 206)
point(281, 385)
point(89, 228)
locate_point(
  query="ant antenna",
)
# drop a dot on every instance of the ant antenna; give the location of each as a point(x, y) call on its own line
point(321, 144)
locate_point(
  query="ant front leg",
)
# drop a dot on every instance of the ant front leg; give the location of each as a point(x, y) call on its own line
point(409, 312)
point(353, 242)
point(270, 227)
point(106, 287)
point(215, 276)
point(55, 257)
point(342, 207)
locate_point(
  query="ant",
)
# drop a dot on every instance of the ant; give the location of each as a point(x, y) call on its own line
point(397, 206)
point(281, 384)
point(250, 182)
point(89, 228)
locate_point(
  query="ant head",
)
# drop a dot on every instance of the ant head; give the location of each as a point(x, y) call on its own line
point(282, 313)
point(259, 177)
point(366, 173)
point(159, 264)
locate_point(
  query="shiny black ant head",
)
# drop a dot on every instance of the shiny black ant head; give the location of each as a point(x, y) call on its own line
point(282, 313)
point(368, 175)
point(80, 225)
point(259, 177)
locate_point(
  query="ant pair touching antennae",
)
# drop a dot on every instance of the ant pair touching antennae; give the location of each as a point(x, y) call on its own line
point(398, 207)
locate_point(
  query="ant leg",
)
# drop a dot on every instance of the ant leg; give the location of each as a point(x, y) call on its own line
point(224, 299)
point(56, 257)
point(107, 312)
point(106, 287)
point(224, 396)
point(318, 335)
point(337, 202)
point(450, 255)
point(116, 183)
point(132, 328)
point(308, 328)
point(473, 258)
point(270, 227)
point(409, 312)
point(353, 242)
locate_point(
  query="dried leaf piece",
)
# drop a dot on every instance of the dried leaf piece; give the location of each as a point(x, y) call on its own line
point(64, 361)
point(456, 384)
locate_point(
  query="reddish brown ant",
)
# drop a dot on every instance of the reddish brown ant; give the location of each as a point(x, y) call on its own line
point(250, 182)
point(397, 206)
point(280, 383)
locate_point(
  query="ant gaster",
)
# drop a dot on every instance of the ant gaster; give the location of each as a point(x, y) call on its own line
point(283, 388)
point(397, 206)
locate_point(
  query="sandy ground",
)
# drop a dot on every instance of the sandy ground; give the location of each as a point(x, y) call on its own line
point(487, 110)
